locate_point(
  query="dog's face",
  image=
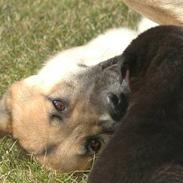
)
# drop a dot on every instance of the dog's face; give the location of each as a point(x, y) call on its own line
point(66, 127)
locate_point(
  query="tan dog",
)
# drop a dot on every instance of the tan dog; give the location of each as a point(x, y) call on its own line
point(66, 113)
point(160, 11)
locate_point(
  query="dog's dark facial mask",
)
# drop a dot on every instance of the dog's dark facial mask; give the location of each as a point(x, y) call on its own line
point(66, 127)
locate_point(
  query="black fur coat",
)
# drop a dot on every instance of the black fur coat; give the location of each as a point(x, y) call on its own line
point(148, 146)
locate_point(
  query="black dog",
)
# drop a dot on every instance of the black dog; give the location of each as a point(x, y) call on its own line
point(148, 146)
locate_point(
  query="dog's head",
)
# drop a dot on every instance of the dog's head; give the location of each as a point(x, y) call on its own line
point(65, 127)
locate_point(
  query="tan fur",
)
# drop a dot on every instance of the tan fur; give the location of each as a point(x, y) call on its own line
point(160, 11)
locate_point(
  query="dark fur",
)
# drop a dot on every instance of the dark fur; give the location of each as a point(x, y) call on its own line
point(148, 146)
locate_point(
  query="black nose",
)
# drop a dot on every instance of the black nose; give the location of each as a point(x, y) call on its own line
point(117, 105)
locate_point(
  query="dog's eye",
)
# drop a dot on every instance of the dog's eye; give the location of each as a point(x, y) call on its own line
point(93, 145)
point(59, 104)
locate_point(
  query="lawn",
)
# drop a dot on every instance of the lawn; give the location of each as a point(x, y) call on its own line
point(30, 32)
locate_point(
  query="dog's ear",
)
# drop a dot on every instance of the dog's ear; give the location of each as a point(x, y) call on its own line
point(10, 103)
point(5, 113)
point(7, 102)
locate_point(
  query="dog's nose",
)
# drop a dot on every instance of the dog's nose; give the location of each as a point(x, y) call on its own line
point(117, 105)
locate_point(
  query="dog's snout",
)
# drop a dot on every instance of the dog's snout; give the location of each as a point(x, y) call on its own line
point(117, 105)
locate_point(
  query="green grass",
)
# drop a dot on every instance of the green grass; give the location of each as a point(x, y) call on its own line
point(31, 31)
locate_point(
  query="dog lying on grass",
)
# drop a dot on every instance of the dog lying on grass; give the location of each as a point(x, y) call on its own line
point(67, 112)
point(148, 145)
